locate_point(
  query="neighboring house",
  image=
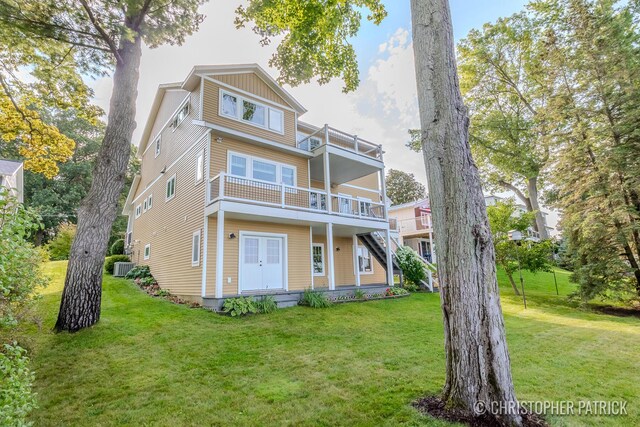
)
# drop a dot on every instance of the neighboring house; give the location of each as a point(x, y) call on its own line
point(412, 221)
point(237, 196)
point(491, 200)
point(12, 178)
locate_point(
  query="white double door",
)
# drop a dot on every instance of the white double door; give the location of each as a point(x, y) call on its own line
point(261, 262)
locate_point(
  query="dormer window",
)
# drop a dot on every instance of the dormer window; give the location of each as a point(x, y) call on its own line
point(180, 116)
point(246, 110)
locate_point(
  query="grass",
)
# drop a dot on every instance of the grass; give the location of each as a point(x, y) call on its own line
point(150, 362)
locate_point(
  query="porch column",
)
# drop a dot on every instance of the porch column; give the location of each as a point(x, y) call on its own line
point(327, 179)
point(331, 273)
point(356, 264)
point(431, 248)
point(389, 258)
point(219, 254)
point(205, 246)
point(383, 195)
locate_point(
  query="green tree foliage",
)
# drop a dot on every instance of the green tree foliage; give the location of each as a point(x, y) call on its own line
point(21, 276)
point(402, 187)
point(117, 248)
point(528, 255)
point(316, 36)
point(60, 247)
point(413, 269)
point(110, 261)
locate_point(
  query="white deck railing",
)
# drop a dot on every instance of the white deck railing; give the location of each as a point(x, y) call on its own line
point(340, 139)
point(235, 188)
point(417, 224)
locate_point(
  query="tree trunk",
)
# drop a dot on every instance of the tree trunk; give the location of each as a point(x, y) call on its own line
point(513, 282)
point(477, 359)
point(80, 305)
point(541, 223)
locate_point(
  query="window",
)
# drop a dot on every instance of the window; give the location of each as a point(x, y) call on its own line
point(129, 237)
point(138, 211)
point(308, 143)
point(238, 108)
point(261, 169)
point(318, 259)
point(147, 251)
point(424, 219)
point(199, 167)
point(195, 249)
point(150, 202)
point(318, 201)
point(364, 260)
point(145, 207)
point(365, 206)
point(171, 188)
point(158, 145)
point(180, 116)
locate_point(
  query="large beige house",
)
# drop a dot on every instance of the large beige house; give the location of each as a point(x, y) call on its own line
point(237, 196)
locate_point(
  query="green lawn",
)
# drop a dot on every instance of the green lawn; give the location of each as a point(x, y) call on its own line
point(150, 362)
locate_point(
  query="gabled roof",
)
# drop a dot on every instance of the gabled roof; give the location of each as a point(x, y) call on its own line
point(409, 204)
point(126, 209)
point(157, 101)
point(9, 167)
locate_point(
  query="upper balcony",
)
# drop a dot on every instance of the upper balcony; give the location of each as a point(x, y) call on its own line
point(226, 187)
point(412, 226)
point(349, 156)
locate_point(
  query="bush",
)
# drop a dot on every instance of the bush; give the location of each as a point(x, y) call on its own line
point(109, 262)
point(359, 294)
point(314, 299)
point(413, 269)
point(60, 247)
point(394, 290)
point(138, 272)
point(118, 247)
point(240, 306)
point(266, 304)
point(16, 397)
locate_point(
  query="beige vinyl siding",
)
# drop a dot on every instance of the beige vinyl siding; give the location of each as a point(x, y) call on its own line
point(220, 150)
point(171, 99)
point(343, 262)
point(169, 226)
point(298, 253)
point(250, 82)
point(211, 114)
point(174, 143)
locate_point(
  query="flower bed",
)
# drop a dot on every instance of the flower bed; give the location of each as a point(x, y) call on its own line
point(389, 293)
point(142, 277)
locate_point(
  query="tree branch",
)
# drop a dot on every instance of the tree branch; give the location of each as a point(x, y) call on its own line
point(517, 192)
point(107, 39)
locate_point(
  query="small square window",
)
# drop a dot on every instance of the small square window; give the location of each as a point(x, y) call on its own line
point(150, 202)
point(171, 188)
point(199, 167)
point(138, 211)
point(238, 165)
point(158, 144)
point(147, 251)
point(145, 205)
point(288, 176)
point(195, 249)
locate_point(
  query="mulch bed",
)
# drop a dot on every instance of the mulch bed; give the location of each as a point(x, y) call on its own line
point(435, 407)
point(618, 311)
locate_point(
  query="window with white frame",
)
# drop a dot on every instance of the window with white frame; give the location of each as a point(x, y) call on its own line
point(199, 167)
point(365, 263)
point(171, 188)
point(365, 206)
point(180, 116)
point(158, 144)
point(260, 169)
point(145, 205)
point(147, 251)
point(138, 211)
point(252, 112)
point(195, 249)
point(150, 201)
point(318, 259)
point(424, 219)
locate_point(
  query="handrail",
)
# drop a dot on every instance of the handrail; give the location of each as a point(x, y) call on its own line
point(338, 138)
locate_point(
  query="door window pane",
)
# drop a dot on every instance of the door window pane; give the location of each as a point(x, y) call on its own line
point(253, 113)
point(287, 176)
point(364, 260)
point(273, 251)
point(229, 105)
point(251, 251)
point(318, 260)
point(264, 171)
point(238, 166)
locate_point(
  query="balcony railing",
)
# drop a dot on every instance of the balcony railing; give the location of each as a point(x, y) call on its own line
point(235, 188)
point(340, 139)
point(417, 224)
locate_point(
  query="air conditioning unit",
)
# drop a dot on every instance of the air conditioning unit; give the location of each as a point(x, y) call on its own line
point(120, 269)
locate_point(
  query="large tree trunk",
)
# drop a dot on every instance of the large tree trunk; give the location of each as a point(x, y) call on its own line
point(80, 305)
point(477, 359)
point(541, 223)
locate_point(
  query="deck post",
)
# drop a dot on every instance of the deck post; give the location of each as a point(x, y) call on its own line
point(219, 254)
point(389, 258)
point(327, 179)
point(331, 273)
point(356, 264)
point(431, 249)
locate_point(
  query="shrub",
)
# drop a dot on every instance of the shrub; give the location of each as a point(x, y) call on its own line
point(359, 294)
point(16, 397)
point(314, 299)
point(138, 272)
point(410, 286)
point(146, 281)
point(240, 306)
point(413, 268)
point(110, 261)
point(60, 247)
point(118, 247)
point(266, 304)
point(163, 293)
point(393, 291)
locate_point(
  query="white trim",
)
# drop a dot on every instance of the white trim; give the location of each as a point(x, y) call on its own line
point(220, 254)
point(389, 259)
point(249, 168)
point(146, 255)
point(331, 273)
point(200, 155)
point(205, 244)
point(378, 192)
point(198, 234)
point(201, 106)
point(172, 164)
point(248, 94)
point(321, 246)
point(165, 124)
point(285, 256)
point(240, 100)
point(311, 247)
point(166, 187)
